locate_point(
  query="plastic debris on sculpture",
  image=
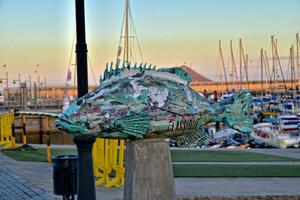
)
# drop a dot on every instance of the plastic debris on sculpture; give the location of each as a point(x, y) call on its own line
point(138, 102)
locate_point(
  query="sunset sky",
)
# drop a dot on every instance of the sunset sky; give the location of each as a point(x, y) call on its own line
point(170, 32)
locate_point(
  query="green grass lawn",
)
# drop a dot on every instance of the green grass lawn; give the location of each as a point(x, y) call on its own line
point(196, 170)
point(38, 155)
point(224, 156)
point(208, 170)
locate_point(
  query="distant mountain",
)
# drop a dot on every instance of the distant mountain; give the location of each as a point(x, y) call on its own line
point(196, 77)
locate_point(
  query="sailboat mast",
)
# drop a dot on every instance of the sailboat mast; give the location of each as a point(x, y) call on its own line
point(234, 73)
point(246, 70)
point(241, 64)
point(280, 66)
point(297, 57)
point(273, 62)
point(223, 65)
point(126, 37)
point(262, 70)
point(292, 68)
point(268, 74)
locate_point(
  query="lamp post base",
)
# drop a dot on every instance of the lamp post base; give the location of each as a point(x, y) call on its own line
point(85, 173)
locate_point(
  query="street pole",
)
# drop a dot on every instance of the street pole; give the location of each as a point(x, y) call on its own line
point(30, 86)
point(7, 85)
point(19, 78)
point(84, 144)
point(81, 50)
point(6, 79)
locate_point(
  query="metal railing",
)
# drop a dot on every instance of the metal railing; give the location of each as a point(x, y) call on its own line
point(108, 154)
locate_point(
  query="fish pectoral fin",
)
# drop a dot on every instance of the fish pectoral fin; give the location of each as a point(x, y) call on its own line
point(134, 126)
point(196, 138)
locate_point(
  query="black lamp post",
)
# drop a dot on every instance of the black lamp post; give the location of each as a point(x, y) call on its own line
point(85, 174)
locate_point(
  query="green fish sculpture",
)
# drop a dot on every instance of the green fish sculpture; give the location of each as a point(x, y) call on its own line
point(137, 102)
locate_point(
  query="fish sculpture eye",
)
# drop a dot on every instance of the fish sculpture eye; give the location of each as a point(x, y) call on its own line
point(79, 102)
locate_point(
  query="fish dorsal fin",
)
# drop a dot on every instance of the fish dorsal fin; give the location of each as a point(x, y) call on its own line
point(181, 73)
point(112, 74)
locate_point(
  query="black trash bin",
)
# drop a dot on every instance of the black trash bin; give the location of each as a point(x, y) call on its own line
point(65, 175)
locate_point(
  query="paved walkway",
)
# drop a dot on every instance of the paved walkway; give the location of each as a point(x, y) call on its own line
point(13, 187)
point(291, 153)
point(38, 173)
point(237, 186)
point(38, 177)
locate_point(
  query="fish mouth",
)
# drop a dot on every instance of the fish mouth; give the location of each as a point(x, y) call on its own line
point(64, 124)
point(64, 118)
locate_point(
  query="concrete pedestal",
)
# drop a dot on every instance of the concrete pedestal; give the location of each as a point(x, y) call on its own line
point(149, 172)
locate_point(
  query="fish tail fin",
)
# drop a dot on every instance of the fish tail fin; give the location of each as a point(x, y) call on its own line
point(237, 115)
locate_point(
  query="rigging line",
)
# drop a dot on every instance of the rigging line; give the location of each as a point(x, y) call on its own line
point(91, 67)
point(278, 60)
point(288, 69)
point(136, 35)
point(131, 40)
point(75, 66)
point(257, 67)
point(132, 43)
point(267, 70)
point(244, 68)
point(70, 59)
point(221, 73)
point(297, 54)
point(233, 64)
point(267, 67)
point(269, 48)
point(219, 68)
point(70, 63)
point(121, 36)
point(133, 57)
point(223, 65)
point(227, 67)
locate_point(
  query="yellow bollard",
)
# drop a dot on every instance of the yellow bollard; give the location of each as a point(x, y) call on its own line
point(113, 161)
point(98, 149)
point(2, 132)
point(118, 166)
point(105, 168)
point(108, 156)
point(10, 129)
point(49, 159)
point(121, 168)
point(113, 152)
point(95, 159)
point(24, 139)
point(7, 136)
